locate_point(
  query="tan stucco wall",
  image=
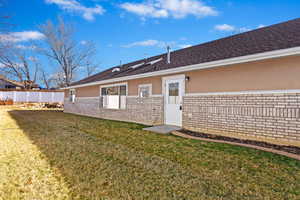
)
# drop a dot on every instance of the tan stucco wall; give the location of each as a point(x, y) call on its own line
point(272, 74)
point(155, 81)
point(91, 91)
point(66, 93)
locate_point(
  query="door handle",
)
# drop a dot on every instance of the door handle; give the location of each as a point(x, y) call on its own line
point(180, 107)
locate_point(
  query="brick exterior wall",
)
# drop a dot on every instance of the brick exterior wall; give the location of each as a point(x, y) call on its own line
point(275, 116)
point(141, 110)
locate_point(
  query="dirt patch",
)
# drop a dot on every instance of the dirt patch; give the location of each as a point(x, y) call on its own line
point(285, 148)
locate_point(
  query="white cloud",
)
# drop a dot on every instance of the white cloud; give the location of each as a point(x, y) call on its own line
point(2, 66)
point(21, 46)
point(21, 36)
point(145, 43)
point(145, 10)
point(170, 8)
point(83, 42)
point(261, 26)
point(156, 43)
point(33, 59)
point(74, 6)
point(230, 28)
point(182, 46)
point(225, 27)
point(243, 29)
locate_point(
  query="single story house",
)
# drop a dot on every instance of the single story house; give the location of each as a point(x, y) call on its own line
point(5, 83)
point(247, 83)
point(8, 84)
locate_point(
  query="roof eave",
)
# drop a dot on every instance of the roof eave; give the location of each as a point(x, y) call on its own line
point(213, 64)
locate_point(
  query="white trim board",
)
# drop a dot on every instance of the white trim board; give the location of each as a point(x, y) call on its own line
point(218, 63)
point(175, 77)
point(87, 97)
point(165, 79)
point(246, 92)
point(145, 85)
point(113, 85)
point(136, 96)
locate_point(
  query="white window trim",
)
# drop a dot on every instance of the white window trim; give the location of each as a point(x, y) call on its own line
point(145, 85)
point(165, 78)
point(113, 85)
point(73, 99)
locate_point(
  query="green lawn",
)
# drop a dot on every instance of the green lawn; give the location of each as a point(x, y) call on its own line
point(53, 155)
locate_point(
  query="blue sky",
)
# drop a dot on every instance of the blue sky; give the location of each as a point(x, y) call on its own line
point(130, 30)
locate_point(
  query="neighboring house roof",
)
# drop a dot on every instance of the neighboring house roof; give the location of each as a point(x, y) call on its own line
point(12, 82)
point(276, 37)
point(19, 84)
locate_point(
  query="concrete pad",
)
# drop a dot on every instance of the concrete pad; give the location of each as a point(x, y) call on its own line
point(163, 129)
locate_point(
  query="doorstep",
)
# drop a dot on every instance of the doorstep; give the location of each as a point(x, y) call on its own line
point(163, 129)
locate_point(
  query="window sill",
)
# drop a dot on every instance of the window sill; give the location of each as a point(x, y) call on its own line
point(112, 109)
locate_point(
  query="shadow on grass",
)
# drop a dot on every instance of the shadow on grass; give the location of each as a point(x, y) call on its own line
point(102, 159)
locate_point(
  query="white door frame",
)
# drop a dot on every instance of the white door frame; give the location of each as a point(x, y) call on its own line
point(174, 77)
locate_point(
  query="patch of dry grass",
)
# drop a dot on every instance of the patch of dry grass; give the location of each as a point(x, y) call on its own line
point(24, 171)
point(64, 156)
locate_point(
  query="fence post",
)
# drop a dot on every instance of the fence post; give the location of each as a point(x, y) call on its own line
point(40, 98)
point(14, 96)
point(52, 97)
point(27, 95)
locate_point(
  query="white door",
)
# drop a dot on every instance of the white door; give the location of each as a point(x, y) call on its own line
point(174, 89)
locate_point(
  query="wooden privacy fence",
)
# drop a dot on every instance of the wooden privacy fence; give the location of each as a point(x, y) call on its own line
point(32, 96)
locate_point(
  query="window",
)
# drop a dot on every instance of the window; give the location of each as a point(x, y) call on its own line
point(173, 93)
point(145, 90)
point(114, 97)
point(72, 95)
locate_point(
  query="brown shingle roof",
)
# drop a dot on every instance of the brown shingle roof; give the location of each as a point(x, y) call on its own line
point(275, 37)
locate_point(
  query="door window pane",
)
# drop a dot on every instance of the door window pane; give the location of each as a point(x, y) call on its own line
point(173, 97)
point(123, 90)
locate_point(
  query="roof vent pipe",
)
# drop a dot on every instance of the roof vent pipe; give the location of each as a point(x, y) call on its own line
point(168, 55)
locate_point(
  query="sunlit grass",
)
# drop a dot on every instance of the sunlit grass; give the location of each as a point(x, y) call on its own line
point(24, 171)
point(67, 156)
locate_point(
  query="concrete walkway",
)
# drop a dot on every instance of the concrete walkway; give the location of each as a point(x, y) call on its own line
point(163, 129)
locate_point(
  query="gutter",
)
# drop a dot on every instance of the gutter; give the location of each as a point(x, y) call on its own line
point(207, 65)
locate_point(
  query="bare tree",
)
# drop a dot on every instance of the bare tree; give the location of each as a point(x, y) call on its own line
point(46, 79)
point(17, 64)
point(91, 69)
point(5, 25)
point(4, 28)
point(62, 48)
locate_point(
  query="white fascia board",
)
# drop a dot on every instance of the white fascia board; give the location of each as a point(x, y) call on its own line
point(250, 92)
point(218, 63)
